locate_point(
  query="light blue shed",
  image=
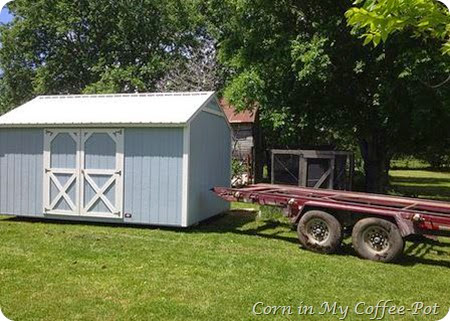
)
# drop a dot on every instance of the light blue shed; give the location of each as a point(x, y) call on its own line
point(128, 158)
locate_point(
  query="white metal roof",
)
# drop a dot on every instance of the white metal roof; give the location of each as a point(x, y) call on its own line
point(117, 109)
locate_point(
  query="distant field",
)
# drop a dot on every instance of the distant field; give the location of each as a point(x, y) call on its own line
point(419, 181)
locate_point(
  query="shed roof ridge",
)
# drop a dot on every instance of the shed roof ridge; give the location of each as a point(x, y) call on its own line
point(126, 95)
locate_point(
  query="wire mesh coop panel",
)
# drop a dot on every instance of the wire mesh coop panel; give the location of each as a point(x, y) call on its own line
point(313, 168)
point(286, 169)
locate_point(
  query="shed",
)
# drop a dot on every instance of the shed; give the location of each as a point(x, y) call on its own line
point(243, 125)
point(126, 158)
point(248, 143)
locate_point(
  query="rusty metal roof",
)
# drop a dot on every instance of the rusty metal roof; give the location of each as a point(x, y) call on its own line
point(246, 116)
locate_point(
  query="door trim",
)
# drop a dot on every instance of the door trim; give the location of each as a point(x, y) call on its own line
point(116, 176)
point(49, 136)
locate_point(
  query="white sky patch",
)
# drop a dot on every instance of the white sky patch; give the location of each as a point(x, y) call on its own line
point(446, 2)
point(3, 318)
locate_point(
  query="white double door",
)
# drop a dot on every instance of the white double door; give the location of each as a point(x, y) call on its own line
point(83, 172)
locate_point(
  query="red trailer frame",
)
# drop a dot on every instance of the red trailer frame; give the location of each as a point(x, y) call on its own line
point(411, 216)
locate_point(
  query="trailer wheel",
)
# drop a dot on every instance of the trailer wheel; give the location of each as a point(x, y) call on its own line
point(319, 232)
point(377, 240)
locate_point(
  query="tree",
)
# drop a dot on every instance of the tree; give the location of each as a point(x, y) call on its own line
point(380, 18)
point(198, 70)
point(316, 83)
point(102, 46)
point(376, 21)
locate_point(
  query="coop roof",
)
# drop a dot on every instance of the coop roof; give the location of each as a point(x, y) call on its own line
point(117, 109)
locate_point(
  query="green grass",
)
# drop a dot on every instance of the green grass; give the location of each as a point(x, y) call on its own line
point(215, 271)
point(421, 183)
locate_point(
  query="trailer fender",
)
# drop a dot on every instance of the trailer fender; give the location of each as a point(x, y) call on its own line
point(296, 213)
point(405, 225)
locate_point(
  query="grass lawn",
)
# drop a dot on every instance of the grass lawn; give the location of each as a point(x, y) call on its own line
point(421, 183)
point(215, 271)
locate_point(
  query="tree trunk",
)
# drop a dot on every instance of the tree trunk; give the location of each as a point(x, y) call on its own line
point(376, 163)
point(259, 150)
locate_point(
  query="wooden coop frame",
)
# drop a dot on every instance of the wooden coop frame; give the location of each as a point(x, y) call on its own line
point(329, 176)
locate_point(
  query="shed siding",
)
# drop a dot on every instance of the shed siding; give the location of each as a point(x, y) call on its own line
point(242, 140)
point(21, 171)
point(153, 175)
point(209, 166)
point(214, 106)
point(153, 162)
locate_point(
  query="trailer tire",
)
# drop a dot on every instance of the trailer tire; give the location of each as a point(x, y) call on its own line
point(319, 231)
point(377, 240)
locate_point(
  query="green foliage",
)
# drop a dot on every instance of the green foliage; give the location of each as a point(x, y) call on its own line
point(409, 163)
point(238, 168)
point(438, 155)
point(313, 81)
point(378, 19)
point(248, 81)
point(59, 47)
point(310, 60)
point(316, 84)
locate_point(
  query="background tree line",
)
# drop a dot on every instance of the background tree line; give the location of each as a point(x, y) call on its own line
point(312, 77)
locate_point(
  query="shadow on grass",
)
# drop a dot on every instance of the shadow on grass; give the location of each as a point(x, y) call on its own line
point(414, 253)
point(418, 250)
point(436, 188)
point(420, 168)
point(235, 222)
point(421, 180)
point(433, 193)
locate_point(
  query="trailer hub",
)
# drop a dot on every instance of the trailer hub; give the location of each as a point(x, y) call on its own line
point(318, 230)
point(377, 238)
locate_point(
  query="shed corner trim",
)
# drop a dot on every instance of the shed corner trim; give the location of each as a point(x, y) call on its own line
point(185, 178)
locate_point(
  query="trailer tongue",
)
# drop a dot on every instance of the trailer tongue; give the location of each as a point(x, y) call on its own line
point(379, 223)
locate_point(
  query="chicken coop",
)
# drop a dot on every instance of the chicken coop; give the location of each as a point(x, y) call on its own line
point(313, 168)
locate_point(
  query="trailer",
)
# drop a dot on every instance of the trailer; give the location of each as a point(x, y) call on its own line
point(379, 224)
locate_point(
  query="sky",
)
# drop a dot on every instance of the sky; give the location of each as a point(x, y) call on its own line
point(5, 16)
